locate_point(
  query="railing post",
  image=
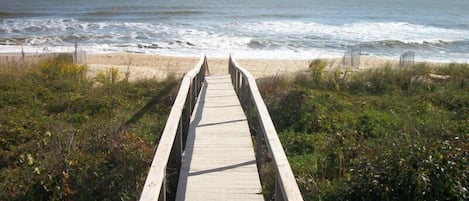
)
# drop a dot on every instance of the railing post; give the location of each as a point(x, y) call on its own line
point(245, 87)
point(175, 159)
point(249, 102)
point(178, 146)
point(189, 99)
point(186, 119)
point(176, 151)
point(236, 75)
point(232, 71)
point(205, 68)
point(237, 82)
point(201, 80)
point(233, 78)
point(259, 144)
point(241, 90)
point(197, 85)
point(194, 95)
point(230, 66)
point(162, 196)
point(278, 190)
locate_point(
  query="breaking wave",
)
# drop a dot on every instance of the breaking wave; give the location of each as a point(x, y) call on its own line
point(288, 36)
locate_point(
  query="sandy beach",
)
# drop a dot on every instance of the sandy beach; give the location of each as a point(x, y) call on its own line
point(156, 66)
point(143, 66)
point(152, 66)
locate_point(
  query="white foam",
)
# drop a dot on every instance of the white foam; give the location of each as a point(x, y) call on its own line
point(274, 39)
point(363, 32)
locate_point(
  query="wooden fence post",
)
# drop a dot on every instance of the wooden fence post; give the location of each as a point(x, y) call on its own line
point(162, 196)
point(278, 189)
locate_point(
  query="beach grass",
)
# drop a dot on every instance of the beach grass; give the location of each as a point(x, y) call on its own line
point(386, 133)
point(65, 136)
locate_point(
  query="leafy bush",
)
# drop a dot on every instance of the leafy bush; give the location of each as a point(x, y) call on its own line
point(64, 138)
point(381, 134)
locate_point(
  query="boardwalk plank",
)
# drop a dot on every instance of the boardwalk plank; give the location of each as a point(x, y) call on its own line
point(219, 161)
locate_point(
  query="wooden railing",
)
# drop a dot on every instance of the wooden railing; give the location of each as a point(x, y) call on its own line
point(245, 86)
point(168, 156)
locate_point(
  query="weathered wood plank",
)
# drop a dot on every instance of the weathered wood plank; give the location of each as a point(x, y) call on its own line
point(219, 161)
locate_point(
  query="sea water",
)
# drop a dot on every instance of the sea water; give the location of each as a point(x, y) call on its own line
point(435, 30)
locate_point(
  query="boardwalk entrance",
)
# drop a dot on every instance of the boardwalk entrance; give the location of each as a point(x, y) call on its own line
point(206, 150)
point(219, 161)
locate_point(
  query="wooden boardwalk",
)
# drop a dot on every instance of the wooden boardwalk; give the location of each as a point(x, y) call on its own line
point(219, 161)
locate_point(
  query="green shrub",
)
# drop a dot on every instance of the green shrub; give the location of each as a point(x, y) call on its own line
point(64, 138)
point(316, 68)
point(381, 134)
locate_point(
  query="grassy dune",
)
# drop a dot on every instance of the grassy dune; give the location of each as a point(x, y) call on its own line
point(382, 134)
point(64, 136)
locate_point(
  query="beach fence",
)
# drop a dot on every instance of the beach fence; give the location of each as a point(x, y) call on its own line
point(407, 59)
point(78, 57)
point(351, 58)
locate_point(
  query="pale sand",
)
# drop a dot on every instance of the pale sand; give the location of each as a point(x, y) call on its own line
point(143, 66)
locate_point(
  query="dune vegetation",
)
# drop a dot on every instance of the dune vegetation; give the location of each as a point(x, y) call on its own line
point(382, 134)
point(64, 136)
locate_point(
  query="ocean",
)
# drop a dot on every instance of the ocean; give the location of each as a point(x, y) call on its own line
point(435, 30)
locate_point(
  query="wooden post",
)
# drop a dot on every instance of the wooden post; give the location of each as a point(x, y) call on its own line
point(75, 54)
point(197, 86)
point(193, 95)
point(238, 79)
point(186, 120)
point(22, 56)
point(245, 92)
point(190, 99)
point(242, 91)
point(249, 103)
point(278, 190)
point(233, 79)
point(205, 68)
point(237, 82)
point(176, 151)
point(259, 144)
point(162, 196)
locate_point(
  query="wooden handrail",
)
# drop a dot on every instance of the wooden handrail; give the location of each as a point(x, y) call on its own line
point(248, 93)
point(171, 145)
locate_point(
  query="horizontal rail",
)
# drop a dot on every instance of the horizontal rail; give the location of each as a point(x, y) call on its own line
point(248, 93)
point(168, 155)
